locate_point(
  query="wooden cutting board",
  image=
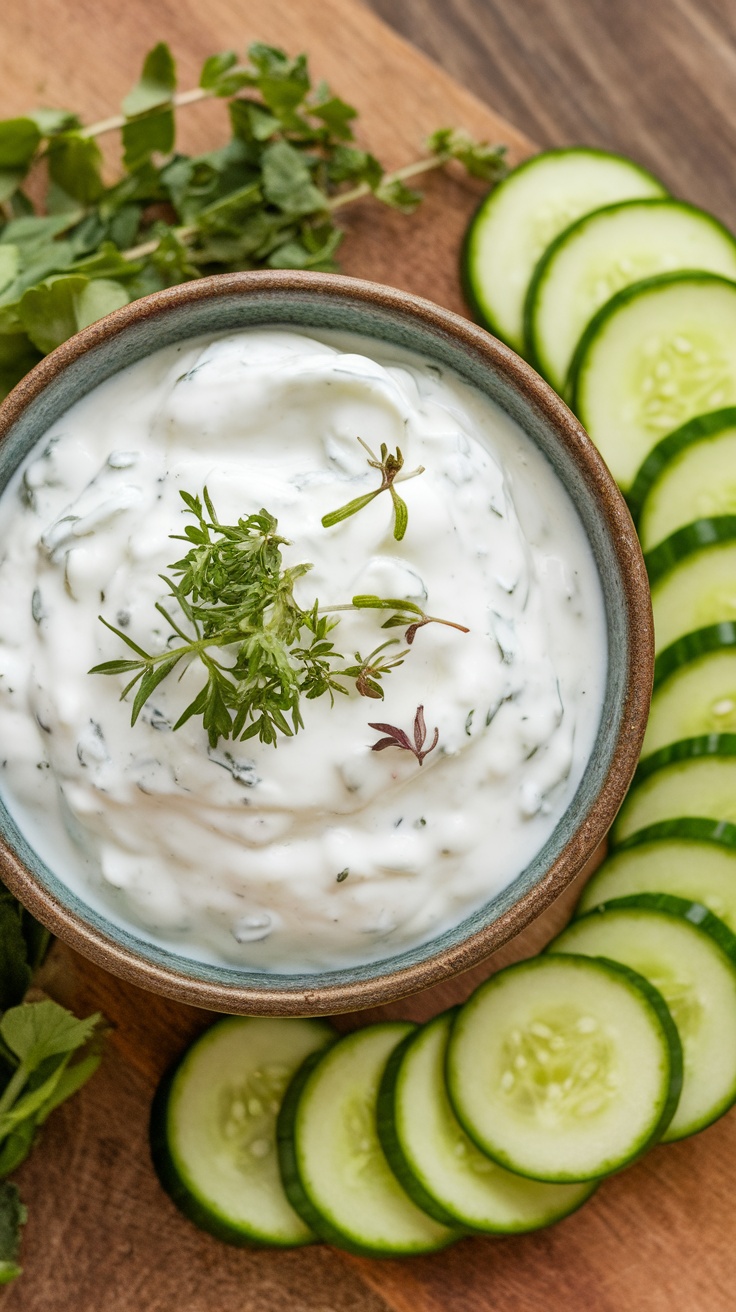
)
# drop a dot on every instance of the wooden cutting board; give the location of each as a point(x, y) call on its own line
point(101, 1236)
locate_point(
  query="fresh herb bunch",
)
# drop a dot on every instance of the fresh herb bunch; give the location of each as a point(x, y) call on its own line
point(38, 1041)
point(235, 592)
point(267, 197)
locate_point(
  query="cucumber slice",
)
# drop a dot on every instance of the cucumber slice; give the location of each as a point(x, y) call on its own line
point(686, 477)
point(562, 1068)
point(694, 688)
point(520, 218)
point(213, 1128)
point(690, 829)
point(688, 541)
point(690, 957)
point(680, 866)
point(607, 250)
point(698, 591)
point(695, 777)
point(658, 353)
point(332, 1164)
point(438, 1165)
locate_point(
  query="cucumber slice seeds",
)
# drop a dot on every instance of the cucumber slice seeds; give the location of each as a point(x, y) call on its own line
point(333, 1166)
point(563, 1068)
point(213, 1128)
point(602, 253)
point(658, 353)
point(436, 1162)
point(689, 956)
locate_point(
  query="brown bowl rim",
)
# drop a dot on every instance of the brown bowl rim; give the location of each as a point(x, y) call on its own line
point(454, 959)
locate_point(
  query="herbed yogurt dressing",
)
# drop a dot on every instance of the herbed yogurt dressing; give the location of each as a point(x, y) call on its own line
point(232, 854)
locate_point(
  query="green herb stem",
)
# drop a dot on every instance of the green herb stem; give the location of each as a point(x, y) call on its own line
point(116, 122)
point(13, 1088)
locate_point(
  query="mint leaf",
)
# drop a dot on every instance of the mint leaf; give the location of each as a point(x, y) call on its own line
point(19, 141)
point(12, 1218)
point(59, 307)
point(157, 83)
point(337, 116)
point(142, 136)
point(214, 68)
point(282, 82)
point(480, 159)
point(52, 121)
point(39, 1030)
point(348, 164)
point(74, 164)
point(9, 265)
point(287, 182)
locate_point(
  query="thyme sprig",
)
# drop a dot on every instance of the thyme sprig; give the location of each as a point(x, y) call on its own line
point(406, 612)
point(262, 652)
point(396, 737)
point(390, 468)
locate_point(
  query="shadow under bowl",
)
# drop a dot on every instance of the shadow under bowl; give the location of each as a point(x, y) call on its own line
point(310, 300)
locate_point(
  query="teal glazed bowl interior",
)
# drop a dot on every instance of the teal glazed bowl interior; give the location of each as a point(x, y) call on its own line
point(241, 300)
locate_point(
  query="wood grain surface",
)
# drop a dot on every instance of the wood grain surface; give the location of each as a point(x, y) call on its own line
point(101, 1236)
point(654, 79)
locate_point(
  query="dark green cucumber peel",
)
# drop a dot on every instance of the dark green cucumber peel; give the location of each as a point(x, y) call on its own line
point(655, 1002)
point(687, 749)
point(684, 651)
point(630, 293)
point(201, 1215)
point(686, 541)
point(570, 233)
point(695, 430)
point(391, 1143)
point(681, 908)
point(479, 313)
point(696, 829)
point(290, 1177)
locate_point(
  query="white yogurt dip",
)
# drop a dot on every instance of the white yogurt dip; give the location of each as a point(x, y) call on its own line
point(232, 854)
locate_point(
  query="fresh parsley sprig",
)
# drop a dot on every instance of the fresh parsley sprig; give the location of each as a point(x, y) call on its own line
point(268, 196)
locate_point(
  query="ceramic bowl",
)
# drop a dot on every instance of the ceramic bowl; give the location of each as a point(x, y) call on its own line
point(240, 300)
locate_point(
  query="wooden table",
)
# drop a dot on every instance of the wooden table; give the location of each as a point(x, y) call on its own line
point(654, 81)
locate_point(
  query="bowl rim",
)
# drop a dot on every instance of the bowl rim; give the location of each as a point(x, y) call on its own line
point(582, 843)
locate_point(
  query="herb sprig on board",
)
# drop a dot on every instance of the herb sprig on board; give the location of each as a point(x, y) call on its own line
point(268, 197)
point(261, 651)
point(46, 1055)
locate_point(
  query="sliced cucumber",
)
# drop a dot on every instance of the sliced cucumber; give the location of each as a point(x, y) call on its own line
point(695, 777)
point(694, 688)
point(683, 867)
point(563, 1072)
point(607, 250)
point(213, 1128)
point(438, 1165)
point(655, 355)
point(691, 830)
point(701, 535)
point(332, 1164)
point(697, 592)
point(687, 476)
point(689, 955)
point(521, 217)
